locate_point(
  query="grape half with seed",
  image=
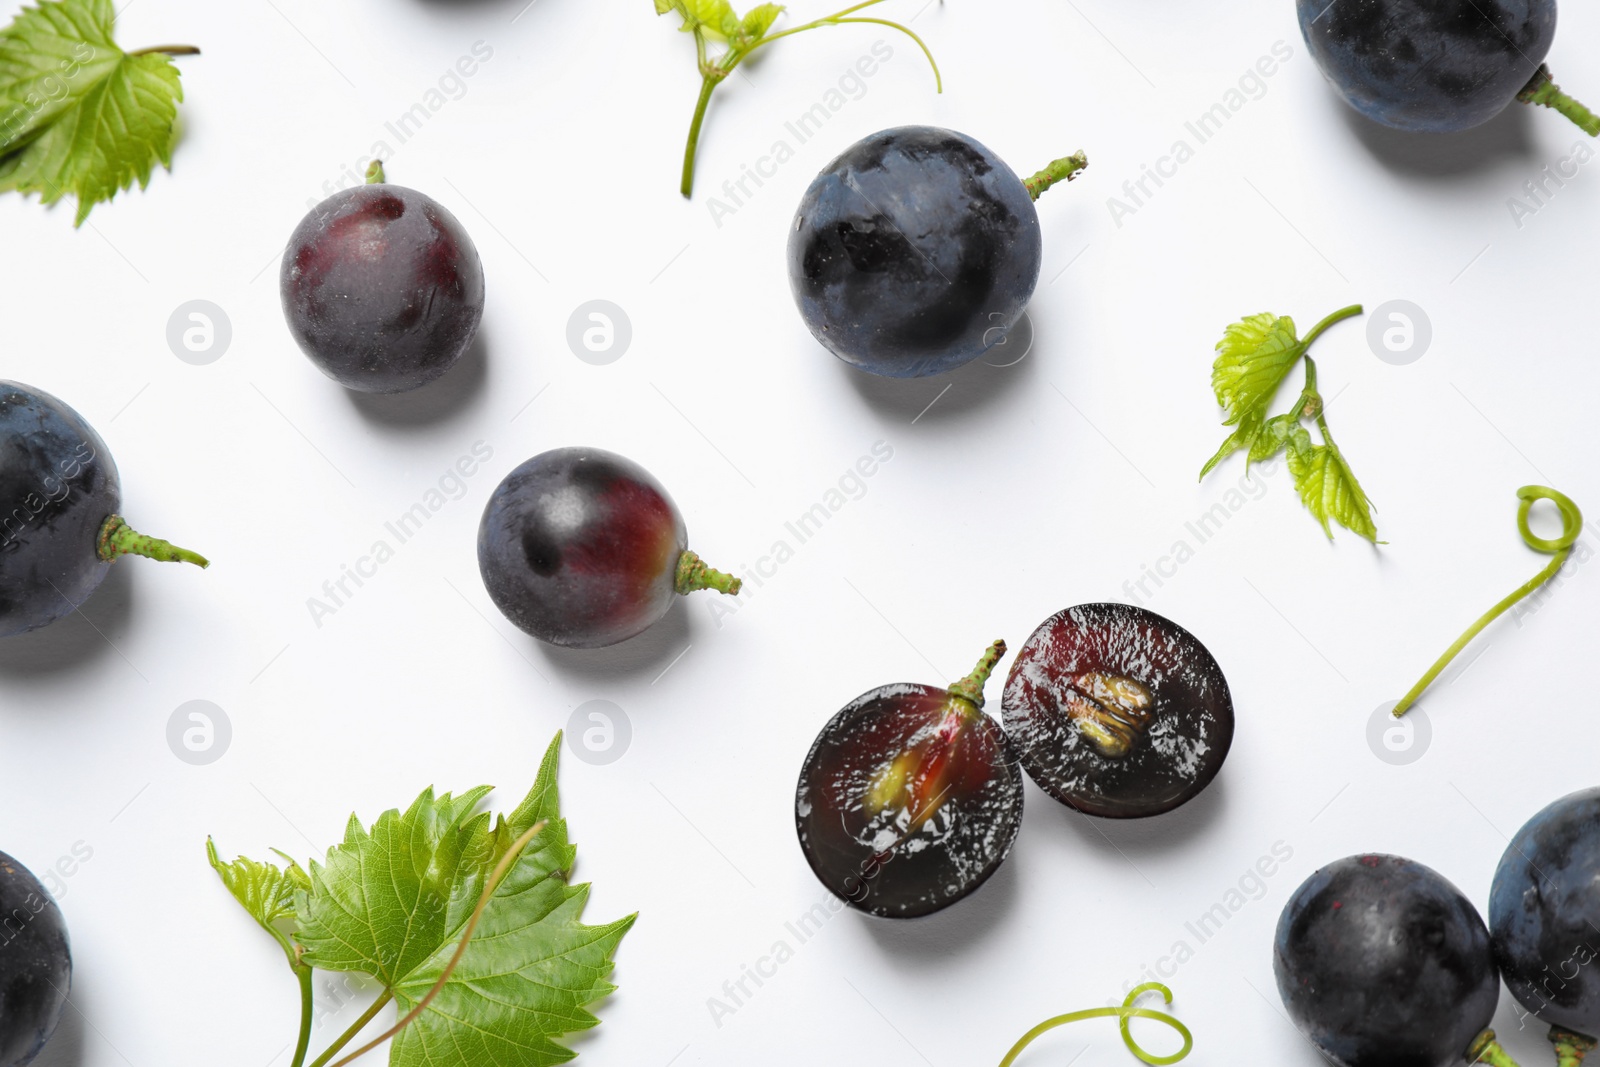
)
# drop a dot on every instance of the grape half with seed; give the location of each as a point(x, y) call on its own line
point(910, 797)
point(1117, 711)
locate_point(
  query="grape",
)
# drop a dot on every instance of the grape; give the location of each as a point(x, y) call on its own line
point(59, 496)
point(382, 288)
point(582, 547)
point(910, 797)
point(914, 252)
point(1544, 913)
point(35, 964)
point(1432, 65)
point(1118, 712)
point(1381, 961)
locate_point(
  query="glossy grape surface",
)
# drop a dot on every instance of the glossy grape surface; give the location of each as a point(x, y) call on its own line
point(914, 252)
point(382, 288)
point(1544, 913)
point(35, 964)
point(908, 801)
point(58, 485)
point(1429, 65)
point(1381, 961)
point(1117, 711)
point(579, 547)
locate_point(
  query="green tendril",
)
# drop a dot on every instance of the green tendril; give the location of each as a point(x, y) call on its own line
point(1123, 1015)
point(742, 43)
point(1560, 548)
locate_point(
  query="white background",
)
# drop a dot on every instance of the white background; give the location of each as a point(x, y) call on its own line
point(1021, 491)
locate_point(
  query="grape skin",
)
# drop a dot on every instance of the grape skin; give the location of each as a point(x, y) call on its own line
point(58, 485)
point(1436, 66)
point(914, 252)
point(382, 288)
point(579, 547)
point(1544, 913)
point(35, 964)
point(1381, 961)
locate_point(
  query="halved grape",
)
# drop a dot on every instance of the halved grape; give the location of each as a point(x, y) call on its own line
point(910, 797)
point(1117, 711)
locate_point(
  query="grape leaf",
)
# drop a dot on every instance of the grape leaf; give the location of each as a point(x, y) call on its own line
point(1254, 356)
point(264, 891)
point(393, 902)
point(530, 968)
point(1330, 490)
point(77, 114)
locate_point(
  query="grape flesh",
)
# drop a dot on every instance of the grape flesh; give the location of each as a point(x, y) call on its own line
point(1435, 66)
point(580, 546)
point(382, 288)
point(908, 801)
point(35, 964)
point(914, 252)
point(1544, 913)
point(58, 485)
point(1381, 961)
point(1117, 711)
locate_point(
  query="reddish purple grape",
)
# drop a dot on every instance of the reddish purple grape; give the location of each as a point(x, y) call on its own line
point(910, 797)
point(1118, 712)
point(382, 288)
point(584, 548)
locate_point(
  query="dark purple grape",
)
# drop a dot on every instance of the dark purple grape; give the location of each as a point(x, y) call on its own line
point(1117, 711)
point(910, 797)
point(916, 250)
point(1436, 66)
point(1544, 915)
point(35, 964)
point(59, 497)
point(382, 288)
point(584, 548)
point(1381, 962)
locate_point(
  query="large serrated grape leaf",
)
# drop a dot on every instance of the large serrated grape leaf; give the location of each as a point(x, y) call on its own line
point(393, 902)
point(77, 114)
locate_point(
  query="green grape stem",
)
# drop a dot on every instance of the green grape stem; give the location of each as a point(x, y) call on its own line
point(303, 1042)
point(1486, 1050)
point(1059, 170)
point(1571, 1047)
point(1543, 90)
point(1560, 548)
point(117, 538)
point(1123, 1015)
point(971, 687)
point(375, 175)
point(741, 47)
point(693, 575)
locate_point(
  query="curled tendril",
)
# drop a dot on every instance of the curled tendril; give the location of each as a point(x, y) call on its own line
point(1559, 547)
point(1124, 1015)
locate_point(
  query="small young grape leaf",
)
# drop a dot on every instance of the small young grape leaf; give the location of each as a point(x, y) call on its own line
point(77, 114)
point(1254, 356)
point(264, 891)
point(718, 17)
point(393, 902)
point(1330, 490)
